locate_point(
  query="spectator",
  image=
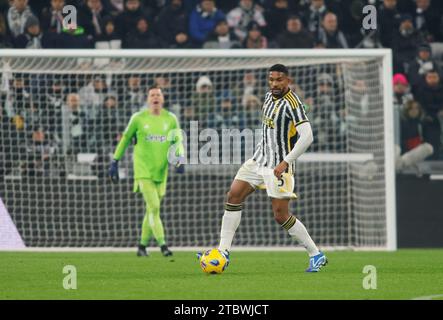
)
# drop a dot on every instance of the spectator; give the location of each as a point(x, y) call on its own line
point(252, 109)
point(142, 37)
point(358, 100)
point(240, 17)
point(109, 39)
point(325, 115)
point(19, 133)
point(411, 126)
point(427, 21)
point(39, 152)
point(109, 125)
point(52, 17)
point(402, 92)
point(248, 86)
point(226, 116)
point(312, 16)
point(132, 95)
point(94, 13)
point(430, 96)
point(32, 38)
point(92, 96)
point(255, 38)
point(405, 43)
point(222, 38)
point(330, 36)
point(203, 100)
point(182, 41)
point(171, 21)
point(36, 6)
point(187, 115)
point(116, 7)
point(203, 20)
point(388, 22)
point(295, 36)
point(276, 18)
point(351, 24)
point(7, 137)
point(5, 40)
point(127, 20)
point(421, 65)
point(324, 95)
point(401, 96)
point(74, 125)
point(19, 104)
point(18, 14)
point(51, 108)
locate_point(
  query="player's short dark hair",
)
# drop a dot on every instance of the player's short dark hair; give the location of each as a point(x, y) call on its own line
point(279, 68)
point(153, 87)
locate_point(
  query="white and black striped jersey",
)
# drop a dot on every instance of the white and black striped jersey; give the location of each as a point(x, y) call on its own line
point(280, 119)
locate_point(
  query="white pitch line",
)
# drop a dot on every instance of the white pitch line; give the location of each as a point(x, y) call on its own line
point(429, 297)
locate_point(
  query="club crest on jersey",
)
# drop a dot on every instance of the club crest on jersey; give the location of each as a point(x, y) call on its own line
point(268, 122)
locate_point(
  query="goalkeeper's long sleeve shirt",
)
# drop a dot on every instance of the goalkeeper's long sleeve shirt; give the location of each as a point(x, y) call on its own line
point(156, 137)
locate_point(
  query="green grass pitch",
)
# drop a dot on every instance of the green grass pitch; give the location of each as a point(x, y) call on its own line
point(404, 274)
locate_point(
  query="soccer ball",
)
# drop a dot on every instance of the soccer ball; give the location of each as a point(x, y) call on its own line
point(213, 261)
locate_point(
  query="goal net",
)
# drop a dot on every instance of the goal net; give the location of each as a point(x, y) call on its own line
point(63, 112)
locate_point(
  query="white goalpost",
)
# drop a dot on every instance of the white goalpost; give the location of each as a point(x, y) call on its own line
point(63, 111)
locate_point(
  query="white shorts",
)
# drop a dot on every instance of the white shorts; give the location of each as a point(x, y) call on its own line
point(263, 178)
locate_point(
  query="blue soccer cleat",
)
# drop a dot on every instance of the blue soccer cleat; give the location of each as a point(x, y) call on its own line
point(316, 262)
point(226, 255)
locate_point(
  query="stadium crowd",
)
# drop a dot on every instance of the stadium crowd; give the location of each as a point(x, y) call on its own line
point(412, 28)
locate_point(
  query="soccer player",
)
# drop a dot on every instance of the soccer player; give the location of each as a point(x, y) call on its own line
point(156, 131)
point(286, 136)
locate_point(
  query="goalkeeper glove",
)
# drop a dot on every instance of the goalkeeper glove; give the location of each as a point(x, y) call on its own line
point(113, 171)
point(179, 166)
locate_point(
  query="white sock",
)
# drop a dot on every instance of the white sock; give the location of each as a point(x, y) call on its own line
point(298, 231)
point(230, 223)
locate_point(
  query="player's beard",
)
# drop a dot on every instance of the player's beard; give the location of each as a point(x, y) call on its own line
point(278, 93)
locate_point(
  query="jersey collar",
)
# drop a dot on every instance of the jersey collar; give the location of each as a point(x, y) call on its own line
point(282, 97)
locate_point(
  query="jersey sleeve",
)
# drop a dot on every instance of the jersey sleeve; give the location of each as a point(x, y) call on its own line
point(126, 138)
point(296, 111)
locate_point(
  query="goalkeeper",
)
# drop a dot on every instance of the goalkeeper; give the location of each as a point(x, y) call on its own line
point(156, 131)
